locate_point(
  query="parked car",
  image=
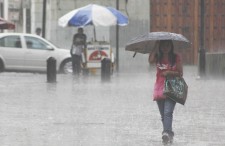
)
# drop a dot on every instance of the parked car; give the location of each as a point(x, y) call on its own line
point(28, 52)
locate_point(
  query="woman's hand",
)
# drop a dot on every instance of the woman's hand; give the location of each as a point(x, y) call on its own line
point(165, 73)
point(170, 73)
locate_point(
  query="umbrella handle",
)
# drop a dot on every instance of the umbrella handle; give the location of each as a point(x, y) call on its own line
point(134, 54)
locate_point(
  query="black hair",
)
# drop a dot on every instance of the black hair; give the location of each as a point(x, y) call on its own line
point(38, 29)
point(80, 29)
point(172, 55)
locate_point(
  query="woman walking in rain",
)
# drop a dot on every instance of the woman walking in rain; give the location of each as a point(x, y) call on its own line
point(168, 64)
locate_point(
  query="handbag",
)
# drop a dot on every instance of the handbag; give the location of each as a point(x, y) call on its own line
point(176, 89)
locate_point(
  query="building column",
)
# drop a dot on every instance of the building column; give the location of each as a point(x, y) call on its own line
point(6, 9)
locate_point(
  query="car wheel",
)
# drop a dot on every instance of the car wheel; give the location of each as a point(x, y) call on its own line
point(66, 67)
point(1, 66)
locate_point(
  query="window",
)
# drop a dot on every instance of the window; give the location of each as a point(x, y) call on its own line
point(11, 42)
point(36, 43)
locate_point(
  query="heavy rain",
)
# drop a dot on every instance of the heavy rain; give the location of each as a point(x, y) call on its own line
point(87, 110)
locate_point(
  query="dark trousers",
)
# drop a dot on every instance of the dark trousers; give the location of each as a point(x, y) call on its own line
point(76, 63)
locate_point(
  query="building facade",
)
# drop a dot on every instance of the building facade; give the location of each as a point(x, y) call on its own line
point(184, 16)
point(28, 15)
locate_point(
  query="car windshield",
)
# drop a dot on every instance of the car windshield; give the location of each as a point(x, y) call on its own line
point(54, 44)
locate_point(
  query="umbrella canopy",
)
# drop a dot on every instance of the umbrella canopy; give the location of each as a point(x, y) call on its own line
point(93, 15)
point(145, 43)
point(4, 24)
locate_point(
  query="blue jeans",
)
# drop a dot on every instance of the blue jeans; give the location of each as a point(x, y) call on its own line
point(166, 108)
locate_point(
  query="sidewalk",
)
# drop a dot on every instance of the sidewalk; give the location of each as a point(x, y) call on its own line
point(86, 112)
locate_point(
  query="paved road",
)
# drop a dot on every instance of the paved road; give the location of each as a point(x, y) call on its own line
point(87, 112)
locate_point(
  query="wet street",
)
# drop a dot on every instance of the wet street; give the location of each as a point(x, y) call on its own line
point(88, 112)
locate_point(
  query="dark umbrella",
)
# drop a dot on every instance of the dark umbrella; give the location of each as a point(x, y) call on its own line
point(145, 43)
point(4, 24)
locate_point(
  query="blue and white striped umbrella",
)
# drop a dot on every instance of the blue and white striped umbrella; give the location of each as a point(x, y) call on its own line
point(93, 15)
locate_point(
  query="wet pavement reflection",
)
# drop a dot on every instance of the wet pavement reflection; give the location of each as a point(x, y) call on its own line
point(85, 111)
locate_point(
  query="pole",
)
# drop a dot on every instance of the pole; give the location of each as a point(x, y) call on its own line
point(117, 40)
point(6, 9)
point(1, 10)
point(44, 18)
point(95, 40)
point(202, 43)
